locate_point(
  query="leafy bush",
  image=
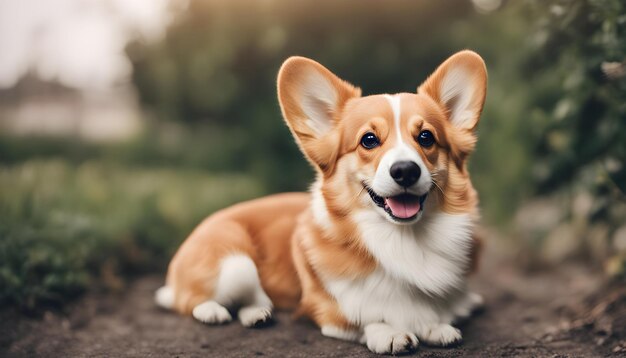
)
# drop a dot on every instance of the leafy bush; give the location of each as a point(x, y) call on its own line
point(576, 111)
point(63, 225)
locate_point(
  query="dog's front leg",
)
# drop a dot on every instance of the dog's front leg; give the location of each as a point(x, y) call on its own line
point(382, 338)
point(440, 335)
point(466, 305)
point(345, 334)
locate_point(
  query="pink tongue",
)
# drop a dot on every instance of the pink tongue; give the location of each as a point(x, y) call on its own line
point(403, 206)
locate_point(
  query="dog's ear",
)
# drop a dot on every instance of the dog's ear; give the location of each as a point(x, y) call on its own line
point(311, 99)
point(459, 86)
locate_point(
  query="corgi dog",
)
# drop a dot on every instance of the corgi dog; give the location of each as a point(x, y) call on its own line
point(380, 249)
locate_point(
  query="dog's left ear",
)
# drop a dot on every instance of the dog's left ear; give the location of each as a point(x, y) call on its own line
point(312, 99)
point(459, 86)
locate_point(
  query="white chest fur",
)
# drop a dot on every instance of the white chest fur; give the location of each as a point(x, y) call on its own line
point(420, 273)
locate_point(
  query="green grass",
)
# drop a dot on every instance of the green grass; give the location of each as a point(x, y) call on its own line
point(65, 226)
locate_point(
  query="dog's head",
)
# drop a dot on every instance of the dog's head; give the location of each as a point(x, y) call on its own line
point(397, 154)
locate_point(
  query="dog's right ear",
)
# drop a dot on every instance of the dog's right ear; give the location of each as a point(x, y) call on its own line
point(311, 99)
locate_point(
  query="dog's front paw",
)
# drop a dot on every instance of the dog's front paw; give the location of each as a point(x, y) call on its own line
point(255, 316)
point(442, 335)
point(476, 301)
point(470, 303)
point(383, 339)
point(211, 312)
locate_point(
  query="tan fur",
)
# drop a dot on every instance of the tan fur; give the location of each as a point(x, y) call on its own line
point(294, 253)
point(316, 303)
point(260, 229)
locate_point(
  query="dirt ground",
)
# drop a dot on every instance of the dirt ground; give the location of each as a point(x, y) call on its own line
point(559, 312)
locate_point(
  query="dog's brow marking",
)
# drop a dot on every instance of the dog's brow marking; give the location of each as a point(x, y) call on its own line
point(394, 102)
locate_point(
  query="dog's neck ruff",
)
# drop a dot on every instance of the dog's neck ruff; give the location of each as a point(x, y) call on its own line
point(432, 255)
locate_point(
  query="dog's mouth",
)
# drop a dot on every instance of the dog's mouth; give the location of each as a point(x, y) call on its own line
point(402, 207)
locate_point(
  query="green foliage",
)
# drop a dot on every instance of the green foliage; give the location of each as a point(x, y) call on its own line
point(580, 120)
point(63, 225)
point(218, 65)
point(577, 111)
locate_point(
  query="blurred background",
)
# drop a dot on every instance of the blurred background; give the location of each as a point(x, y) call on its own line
point(125, 123)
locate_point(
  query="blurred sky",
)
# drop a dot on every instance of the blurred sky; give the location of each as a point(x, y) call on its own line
point(79, 43)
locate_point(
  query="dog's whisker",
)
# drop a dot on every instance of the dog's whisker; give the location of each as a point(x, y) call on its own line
point(440, 189)
point(356, 196)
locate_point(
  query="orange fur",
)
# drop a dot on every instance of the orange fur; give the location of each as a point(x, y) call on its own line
point(293, 252)
point(260, 229)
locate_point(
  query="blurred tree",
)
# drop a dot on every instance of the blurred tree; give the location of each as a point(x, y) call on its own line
point(218, 66)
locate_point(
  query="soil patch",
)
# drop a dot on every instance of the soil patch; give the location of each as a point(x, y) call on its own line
point(560, 312)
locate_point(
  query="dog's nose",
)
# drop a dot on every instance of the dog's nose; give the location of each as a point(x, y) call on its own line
point(405, 173)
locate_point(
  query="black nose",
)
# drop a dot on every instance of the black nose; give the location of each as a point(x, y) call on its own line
point(405, 173)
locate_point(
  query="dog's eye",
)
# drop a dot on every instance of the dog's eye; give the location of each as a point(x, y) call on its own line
point(426, 139)
point(370, 141)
